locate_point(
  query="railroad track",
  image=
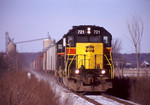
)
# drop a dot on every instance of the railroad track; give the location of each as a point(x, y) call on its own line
point(102, 99)
point(119, 100)
point(105, 99)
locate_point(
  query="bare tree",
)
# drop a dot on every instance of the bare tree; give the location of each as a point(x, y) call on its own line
point(135, 28)
point(116, 47)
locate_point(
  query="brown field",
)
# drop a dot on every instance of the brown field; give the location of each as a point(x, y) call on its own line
point(132, 88)
point(17, 89)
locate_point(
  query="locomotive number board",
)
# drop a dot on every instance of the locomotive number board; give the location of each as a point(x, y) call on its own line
point(81, 32)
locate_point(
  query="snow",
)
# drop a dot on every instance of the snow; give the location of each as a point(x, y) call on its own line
point(127, 101)
point(103, 100)
point(145, 62)
point(65, 97)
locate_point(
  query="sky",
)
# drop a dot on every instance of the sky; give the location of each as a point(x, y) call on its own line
point(33, 19)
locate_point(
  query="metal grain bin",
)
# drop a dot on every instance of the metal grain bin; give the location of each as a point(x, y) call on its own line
point(46, 43)
point(51, 58)
point(11, 47)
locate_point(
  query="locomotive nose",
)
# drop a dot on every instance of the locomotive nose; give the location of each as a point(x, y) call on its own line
point(90, 55)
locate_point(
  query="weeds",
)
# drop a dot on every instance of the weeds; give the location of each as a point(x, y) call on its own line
point(17, 89)
point(132, 88)
point(10, 62)
point(140, 90)
point(120, 88)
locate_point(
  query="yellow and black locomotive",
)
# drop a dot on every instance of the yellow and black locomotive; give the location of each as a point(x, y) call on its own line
point(83, 59)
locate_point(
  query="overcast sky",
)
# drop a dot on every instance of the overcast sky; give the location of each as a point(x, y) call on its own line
point(33, 19)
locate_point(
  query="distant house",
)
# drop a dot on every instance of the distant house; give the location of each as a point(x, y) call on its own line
point(129, 65)
point(145, 64)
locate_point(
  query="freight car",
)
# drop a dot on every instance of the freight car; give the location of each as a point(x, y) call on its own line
point(82, 59)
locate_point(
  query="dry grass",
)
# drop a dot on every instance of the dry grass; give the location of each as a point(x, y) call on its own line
point(120, 88)
point(17, 89)
point(134, 89)
point(140, 90)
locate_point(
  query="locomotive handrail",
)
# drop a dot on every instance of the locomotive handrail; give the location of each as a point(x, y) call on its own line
point(67, 62)
point(112, 65)
point(70, 64)
point(109, 63)
point(81, 61)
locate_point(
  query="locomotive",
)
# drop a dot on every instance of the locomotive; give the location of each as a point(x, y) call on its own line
point(81, 59)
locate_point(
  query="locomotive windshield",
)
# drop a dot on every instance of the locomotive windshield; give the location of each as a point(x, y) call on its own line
point(82, 38)
point(94, 39)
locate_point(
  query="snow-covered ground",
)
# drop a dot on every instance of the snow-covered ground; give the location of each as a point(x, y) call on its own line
point(133, 72)
point(103, 100)
point(67, 98)
point(107, 101)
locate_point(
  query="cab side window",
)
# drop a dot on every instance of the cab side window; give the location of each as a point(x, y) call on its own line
point(105, 40)
point(71, 40)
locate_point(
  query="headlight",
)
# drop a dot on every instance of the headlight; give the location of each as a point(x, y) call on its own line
point(77, 71)
point(103, 72)
point(89, 30)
